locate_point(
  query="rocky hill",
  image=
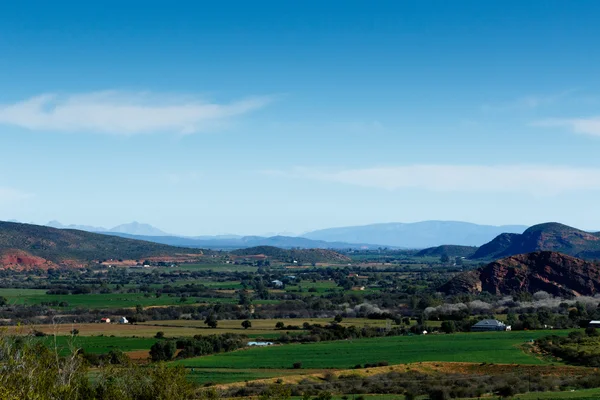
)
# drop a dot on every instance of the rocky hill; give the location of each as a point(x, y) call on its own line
point(552, 272)
point(304, 256)
point(26, 245)
point(550, 236)
point(449, 250)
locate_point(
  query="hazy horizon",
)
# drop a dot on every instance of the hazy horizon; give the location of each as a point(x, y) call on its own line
point(204, 119)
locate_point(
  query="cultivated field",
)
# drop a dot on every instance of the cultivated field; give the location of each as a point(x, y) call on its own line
point(492, 347)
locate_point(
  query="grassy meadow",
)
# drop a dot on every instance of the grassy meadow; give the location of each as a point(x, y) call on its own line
point(490, 347)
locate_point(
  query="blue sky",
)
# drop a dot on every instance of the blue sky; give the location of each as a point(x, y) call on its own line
point(254, 117)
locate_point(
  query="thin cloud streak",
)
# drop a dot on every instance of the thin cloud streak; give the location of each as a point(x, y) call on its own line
point(123, 113)
point(527, 102)
point(530, 179)
point(585, 126)
point(10, 195)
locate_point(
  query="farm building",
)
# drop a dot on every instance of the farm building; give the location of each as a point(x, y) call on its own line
point(260, 344)
point(594, 324)
point(277, 283)
point(123, 320)
point(105, 320)
point(487, 325)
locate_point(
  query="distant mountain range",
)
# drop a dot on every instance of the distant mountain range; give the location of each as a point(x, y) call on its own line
point(394, 235)
point(27, 245)
point(241, 242)
point(132, 228)
point(416, 235)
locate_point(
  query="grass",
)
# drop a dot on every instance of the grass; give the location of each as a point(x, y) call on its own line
point(100, 301)
point(99, 344)
point(491, 347)
point(262, 326)
point(584, 394)
point(214, 267)
point(96, 329)
point(222, 376)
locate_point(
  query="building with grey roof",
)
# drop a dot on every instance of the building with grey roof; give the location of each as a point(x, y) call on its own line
point(488, 325)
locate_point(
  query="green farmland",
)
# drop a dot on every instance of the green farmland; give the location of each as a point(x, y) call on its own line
point(99, 300)
point(492, 347)
point(99, 344)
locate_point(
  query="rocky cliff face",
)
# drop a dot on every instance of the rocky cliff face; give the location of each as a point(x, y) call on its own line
point(553, 272)
point(543, 237)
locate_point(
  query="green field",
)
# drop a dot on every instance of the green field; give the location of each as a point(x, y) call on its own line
point(99, 344)
point(584, 394)
point(100, 301)
point(212, 267)
point(492, 347)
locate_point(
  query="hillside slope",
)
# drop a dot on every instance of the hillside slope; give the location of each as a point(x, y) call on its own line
point(229, 243)
point(304, 256)
point(550, 236)
point(416, 235)
point(449, 250)
point(552, 272)
point(72, 247)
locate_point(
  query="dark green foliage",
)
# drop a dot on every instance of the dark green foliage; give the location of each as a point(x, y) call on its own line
point(449, 250)
point(31, 370)
point(302, 256)
point(163, 350)
point(211, 320)
point(246, 324)
point(201, 345)
point(449, 327)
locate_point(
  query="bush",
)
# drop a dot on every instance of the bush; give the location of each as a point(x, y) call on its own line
point(163, 351)
point(297, 365)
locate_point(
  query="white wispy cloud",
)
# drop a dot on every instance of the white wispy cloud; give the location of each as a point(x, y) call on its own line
point(531, 179)
point(10, 195)
point(586, 126)
point(125, 113)
point(526, 102)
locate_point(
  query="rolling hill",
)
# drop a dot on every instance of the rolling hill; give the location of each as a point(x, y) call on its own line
point(37, 245)
point(230, 243)
point(449, 250)
point(416, 235)
point(550, 236)
point(552, 272)
point(303, 256)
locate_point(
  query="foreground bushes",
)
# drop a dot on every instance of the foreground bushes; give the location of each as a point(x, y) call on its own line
point(414, 384)
point(30, 370)
point(579, 348)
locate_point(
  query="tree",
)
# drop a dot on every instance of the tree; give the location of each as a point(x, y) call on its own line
point(160, 335)
point(244, 298)
point(211, 321)
point(338, 318)
point(246, 324)
point(445, 258)
point(449, 326)
point(279, 325)
point(276, 392)
point(163, 350)
point(3, 301)
point(75, 332)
